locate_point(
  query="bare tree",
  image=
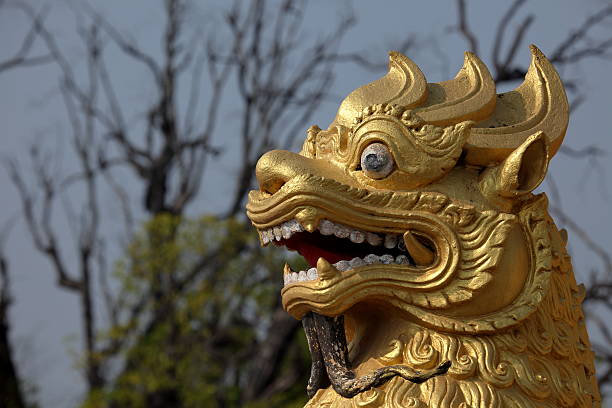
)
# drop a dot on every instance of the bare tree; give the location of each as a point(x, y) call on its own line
point(11, 392)
point(281, 77)
point(168, 154)
point(24, 56)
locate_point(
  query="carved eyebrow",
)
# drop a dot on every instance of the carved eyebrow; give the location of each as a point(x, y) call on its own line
point(343, 137)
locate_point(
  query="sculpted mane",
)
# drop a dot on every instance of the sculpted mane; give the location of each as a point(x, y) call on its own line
point(427, 247)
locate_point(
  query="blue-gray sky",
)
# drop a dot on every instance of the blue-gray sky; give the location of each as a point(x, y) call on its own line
point(46, 319)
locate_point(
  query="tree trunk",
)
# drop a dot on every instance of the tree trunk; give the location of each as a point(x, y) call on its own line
point(10, 390)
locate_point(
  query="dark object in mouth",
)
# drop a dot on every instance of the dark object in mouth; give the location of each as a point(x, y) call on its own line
point(330, 361)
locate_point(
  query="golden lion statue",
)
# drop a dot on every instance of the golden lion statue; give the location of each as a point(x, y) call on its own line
point(428, 249)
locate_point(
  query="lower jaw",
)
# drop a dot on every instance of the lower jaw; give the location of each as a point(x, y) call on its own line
point(331, 365)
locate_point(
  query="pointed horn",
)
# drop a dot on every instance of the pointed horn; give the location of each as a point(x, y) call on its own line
point(539, 104)
point(403, 85)
point(470, 96)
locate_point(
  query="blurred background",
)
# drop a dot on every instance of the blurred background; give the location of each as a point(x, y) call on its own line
point(129, 275)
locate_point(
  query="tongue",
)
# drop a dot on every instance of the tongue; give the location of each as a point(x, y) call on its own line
point(311, 251)
point(318, 375)
point(329, 351)
point(314, 245)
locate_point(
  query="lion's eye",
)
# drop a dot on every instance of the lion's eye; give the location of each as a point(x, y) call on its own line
point(377, 161)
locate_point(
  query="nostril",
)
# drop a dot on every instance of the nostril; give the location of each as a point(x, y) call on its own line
point(274, 169)
point(271, 186)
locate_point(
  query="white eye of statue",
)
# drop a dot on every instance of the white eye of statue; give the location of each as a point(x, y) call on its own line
point(377, 161)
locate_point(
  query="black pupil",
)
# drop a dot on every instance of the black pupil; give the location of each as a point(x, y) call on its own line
point(375, 162)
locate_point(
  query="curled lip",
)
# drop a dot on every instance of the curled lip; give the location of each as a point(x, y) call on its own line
point(369, 210)
point(334, 296)
point(310, 198)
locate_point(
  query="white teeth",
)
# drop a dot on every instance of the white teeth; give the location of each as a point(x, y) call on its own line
point(387, 259)
point(286, 231)
point(294, 226)
point(341, 231)
point(291, 278)
point(401, 245)
point(402, 259)
point(356, 262)
point(278, 234)
point(283, 231)
point(373, 239)
point(312, 274)
point(371, 259)
point(390, 241)
point(342, 265)
point(357, 236)
point(326, 227)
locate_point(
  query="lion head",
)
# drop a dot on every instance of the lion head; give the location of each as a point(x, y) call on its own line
point(415, 211)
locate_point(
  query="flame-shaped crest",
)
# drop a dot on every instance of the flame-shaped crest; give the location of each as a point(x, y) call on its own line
point(503, 121)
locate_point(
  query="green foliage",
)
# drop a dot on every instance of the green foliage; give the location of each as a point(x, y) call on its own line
point(208, 292)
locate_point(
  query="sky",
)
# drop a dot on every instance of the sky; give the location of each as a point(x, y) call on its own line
point(46, 319)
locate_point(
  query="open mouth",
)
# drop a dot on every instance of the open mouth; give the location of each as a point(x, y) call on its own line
point(331, 249)
point(346, 248)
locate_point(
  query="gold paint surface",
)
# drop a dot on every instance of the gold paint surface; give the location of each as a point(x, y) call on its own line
point(495, 294)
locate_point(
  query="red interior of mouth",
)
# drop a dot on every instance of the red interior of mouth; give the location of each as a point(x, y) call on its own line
point(312, 246)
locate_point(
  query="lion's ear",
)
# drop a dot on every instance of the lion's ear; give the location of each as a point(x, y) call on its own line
point(520, 173)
